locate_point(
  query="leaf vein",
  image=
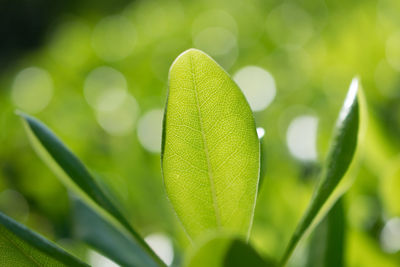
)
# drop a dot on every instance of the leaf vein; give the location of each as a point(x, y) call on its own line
point(210, 173)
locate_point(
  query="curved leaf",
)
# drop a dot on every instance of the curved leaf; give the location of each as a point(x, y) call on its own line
point(112, 242)
point(74, 174)
point(210, 152)
point(225, 250)
point(328, 242)
point(331, 185)
point(19, 246)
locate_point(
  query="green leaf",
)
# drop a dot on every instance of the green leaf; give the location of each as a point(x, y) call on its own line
point(328, 243)
point(210, 150)
point(19, 246)
point(331, 185)
point(225, 250)
point(102, 235)
point(74, 175)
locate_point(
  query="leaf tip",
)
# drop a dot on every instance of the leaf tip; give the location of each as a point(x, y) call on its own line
point(351, 99)
point(20, 113)
point(24, 117)
point(353, 89)
point(191, 52)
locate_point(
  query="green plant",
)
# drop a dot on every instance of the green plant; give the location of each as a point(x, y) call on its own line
point(211, 164)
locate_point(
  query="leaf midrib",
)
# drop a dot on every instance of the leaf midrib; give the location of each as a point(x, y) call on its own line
point(206, 152)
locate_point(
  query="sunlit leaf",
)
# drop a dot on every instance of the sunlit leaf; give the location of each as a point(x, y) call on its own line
point(210, 151)
point(74, 174)
point(19, 246)
point(105, 237)
point(225, 250)
point(342, 149)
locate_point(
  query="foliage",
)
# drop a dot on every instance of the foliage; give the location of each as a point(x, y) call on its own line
point(210, 154)
point(210, 160)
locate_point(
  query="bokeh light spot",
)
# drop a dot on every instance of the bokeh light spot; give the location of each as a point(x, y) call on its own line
point(258, 86)
point(301, 137)
point(32, 89)
point(114, 38)
point(162, 246)
point(105, 88)
point(218, 42)
point(98, 260)
point(390, 236)
point(120, 120)
point(150, 129)
point(393, 51)
point(260, 132)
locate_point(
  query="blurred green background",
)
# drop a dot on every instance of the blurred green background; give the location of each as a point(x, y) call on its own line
point(96, 72)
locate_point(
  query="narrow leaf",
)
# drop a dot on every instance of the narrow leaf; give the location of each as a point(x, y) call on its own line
point(105, 237)
point(210, 151)
point(331, 185)
point(328, 242)
point(74, 174)
point(225, 250)
point(19, 246)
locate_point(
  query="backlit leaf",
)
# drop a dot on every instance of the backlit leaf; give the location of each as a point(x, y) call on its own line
point(102, 235)
point(342, 149)
point(74, 174)
point(19, 246)
point(210, 152)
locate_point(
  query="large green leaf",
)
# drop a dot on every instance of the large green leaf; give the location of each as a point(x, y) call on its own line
point(74, 174)
point(225, 250)
point(114, 243)
point(21, 247)
point(210, 151)
point(331, 185)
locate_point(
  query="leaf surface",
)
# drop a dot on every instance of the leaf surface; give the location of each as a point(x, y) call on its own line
point(328, 242)
point(19, 246)
point(105, 237)
point(75, 176)
point(331, 185)
point(210, 150)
